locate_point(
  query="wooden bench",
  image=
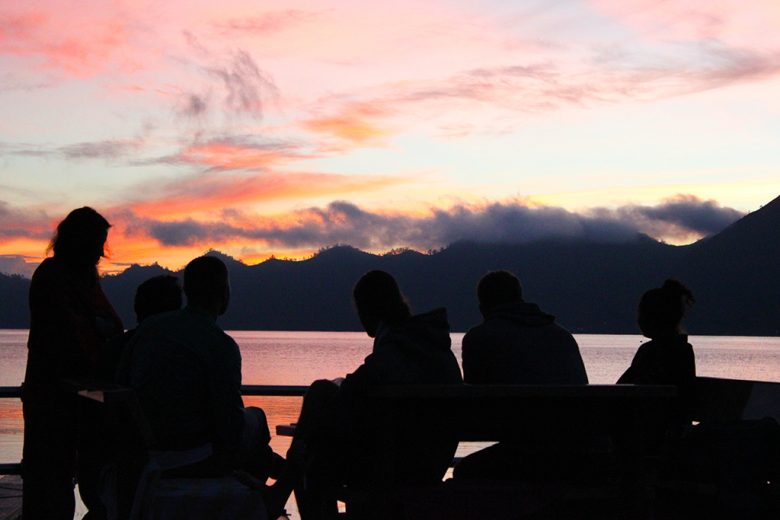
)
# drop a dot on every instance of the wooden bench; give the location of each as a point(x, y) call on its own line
point(728, 466)
point(135, 487)
point(717, 399)
point(411, 419)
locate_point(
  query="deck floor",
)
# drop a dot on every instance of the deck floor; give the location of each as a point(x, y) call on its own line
point(10, 497)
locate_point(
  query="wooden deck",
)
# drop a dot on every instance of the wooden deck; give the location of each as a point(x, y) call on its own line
point(10, 497)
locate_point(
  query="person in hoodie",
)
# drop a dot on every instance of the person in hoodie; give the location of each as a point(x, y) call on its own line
point(336, 430)
point(517, 344)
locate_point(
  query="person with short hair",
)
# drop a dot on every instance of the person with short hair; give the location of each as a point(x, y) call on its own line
point(187, 374)
point(518, 344)
point(155, 295)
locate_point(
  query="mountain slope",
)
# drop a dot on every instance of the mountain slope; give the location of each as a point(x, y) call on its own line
point(591, 287)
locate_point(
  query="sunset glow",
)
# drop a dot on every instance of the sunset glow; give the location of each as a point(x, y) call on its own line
point(265, 128)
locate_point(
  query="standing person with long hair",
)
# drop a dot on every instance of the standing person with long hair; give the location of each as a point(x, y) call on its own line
point(70, 321)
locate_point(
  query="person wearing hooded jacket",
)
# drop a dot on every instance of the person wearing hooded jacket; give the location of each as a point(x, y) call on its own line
point(336, 431)
point(517, 344)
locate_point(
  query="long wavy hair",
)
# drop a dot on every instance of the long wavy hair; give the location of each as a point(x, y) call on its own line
point(80, 241)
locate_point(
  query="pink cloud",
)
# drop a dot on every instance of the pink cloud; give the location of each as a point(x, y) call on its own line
point(754, 24)
point(63, 40)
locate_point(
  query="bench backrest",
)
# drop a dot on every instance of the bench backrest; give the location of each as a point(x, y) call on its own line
point(489, 413)
point(717, 399)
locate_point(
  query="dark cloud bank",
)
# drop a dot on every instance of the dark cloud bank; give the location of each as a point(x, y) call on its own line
point(514, 222)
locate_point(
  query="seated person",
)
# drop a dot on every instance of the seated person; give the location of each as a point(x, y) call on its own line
point(667, 359)
point(335, 429)
point(154, 296)
point(517, 344)
point(187, 374)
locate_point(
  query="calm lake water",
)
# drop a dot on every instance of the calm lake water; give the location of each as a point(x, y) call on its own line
point(298, 358)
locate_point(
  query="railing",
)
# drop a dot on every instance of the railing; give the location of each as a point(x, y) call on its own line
point(15, 392)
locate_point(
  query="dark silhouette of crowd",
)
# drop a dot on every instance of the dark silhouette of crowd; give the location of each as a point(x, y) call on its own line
point(186, 373)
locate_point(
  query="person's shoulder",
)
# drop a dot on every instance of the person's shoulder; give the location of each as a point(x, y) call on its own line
point(562, 332)
point(48, 269)
point(477, 334)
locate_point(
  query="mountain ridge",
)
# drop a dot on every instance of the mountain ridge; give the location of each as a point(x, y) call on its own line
point(593, 287)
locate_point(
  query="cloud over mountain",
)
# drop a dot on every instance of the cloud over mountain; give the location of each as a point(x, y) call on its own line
point(508, 222)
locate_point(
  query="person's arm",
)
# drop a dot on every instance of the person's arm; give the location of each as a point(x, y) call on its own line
point(225, 403)
point(475, 369)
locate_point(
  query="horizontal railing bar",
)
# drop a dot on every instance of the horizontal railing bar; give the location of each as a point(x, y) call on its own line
point(11, 392)
point(273, 390)
point(11, 468)
point(15, 392)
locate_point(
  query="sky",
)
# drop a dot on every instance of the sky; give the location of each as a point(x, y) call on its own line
point(278, 128)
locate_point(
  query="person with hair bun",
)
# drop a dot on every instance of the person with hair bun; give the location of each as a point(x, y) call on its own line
point(667, 359)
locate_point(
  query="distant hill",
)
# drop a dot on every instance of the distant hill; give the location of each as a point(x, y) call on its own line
point(14, 313)
point(591, 287)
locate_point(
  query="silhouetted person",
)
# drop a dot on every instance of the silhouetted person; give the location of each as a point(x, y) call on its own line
point(70, 321)
point(516, 344)
point(156, 295)
point(335, 430)
point(187, 374)
point(668, 358)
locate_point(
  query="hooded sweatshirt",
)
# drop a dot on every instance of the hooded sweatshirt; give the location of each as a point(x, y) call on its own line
point(519, 344)
point(414, 352)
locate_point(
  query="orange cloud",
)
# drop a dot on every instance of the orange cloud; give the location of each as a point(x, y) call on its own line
point(231, 156)
point(212, 191)
point(355, 124)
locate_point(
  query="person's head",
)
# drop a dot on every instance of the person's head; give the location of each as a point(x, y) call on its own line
point(155, 295)
point(207, 285)
point(661, 310)
point(378, 299)
point(80, 238)
point(498, 288)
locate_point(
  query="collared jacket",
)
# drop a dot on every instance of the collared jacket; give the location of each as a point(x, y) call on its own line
point(187, 374)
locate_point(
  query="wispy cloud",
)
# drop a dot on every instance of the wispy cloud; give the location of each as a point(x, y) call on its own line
point(108, 150)
point(268, 22)
point(22, 223)
point(538, 87)
point(215, 190)
point(236, 86)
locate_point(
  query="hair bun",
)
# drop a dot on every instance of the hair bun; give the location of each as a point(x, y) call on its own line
point(675, 286)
